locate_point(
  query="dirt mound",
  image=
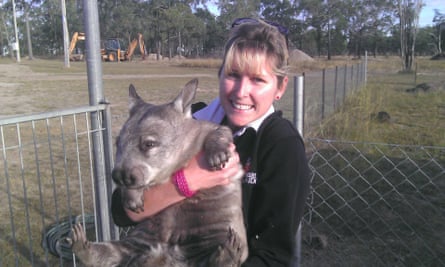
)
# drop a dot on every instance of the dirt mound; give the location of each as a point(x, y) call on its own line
point(438, 57)
point(296, 56)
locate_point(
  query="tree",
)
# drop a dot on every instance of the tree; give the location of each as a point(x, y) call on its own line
point(381, 20)
point(286, 14)
point(216, 33)
point(25, 6)
point(409, 11)
point(426, 44)
point(439, 20)
point(230, 10)
point(317, 18)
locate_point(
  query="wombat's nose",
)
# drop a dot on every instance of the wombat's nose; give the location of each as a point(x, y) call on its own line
point(123, 178)
point(118, 176)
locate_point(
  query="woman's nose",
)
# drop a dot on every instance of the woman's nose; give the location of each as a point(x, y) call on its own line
point(243, 87)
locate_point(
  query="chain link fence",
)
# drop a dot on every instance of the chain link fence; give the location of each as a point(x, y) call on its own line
point(375, 205)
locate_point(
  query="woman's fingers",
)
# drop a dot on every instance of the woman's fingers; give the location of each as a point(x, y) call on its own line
point(199, 175)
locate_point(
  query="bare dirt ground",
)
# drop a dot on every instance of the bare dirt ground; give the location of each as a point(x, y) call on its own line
point(25, 91)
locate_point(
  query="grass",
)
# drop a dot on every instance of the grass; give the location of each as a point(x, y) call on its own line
point(416, 116)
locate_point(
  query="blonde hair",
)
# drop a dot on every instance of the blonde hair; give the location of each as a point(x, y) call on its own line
point(253, 43)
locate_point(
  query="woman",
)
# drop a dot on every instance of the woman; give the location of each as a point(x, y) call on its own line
point(275, 185)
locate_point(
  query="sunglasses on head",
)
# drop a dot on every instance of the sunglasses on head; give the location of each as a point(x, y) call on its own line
point(283, 30)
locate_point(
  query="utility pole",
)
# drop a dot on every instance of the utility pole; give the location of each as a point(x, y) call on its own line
point(65, 35)
point(16, 46)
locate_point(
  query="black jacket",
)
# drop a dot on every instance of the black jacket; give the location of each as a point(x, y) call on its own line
point(275, 189)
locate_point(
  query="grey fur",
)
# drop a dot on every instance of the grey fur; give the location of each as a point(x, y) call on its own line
point(205, 230)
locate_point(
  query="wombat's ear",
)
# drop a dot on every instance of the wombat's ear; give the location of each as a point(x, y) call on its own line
point(183, 101)
point(134, 98)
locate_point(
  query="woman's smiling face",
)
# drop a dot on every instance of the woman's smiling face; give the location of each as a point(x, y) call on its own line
point(248, 91)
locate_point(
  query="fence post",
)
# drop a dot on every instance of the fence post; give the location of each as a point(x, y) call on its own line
point(345, 82)
point(366, 67)
point(357, 79)
point(335, 87)
point(299, 103)
point(323, 88)
point(95, 89)
point(299, 124)
point(109, 164)
point(352, 77)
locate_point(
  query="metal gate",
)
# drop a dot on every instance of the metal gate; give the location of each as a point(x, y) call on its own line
point(53, 173)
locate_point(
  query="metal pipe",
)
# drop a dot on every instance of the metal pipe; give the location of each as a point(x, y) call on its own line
point(95, 88)
point(93, 59)
point(299, 124)
point(323, 92)
point(299, 103)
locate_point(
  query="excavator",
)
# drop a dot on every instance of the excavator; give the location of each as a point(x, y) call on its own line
point(78, 56)
point(113, 48)
point(115, 51)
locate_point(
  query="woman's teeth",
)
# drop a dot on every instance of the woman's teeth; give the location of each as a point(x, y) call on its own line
point(241, 106)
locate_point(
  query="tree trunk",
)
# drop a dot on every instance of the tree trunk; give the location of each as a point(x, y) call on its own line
point(409, 22)
point(28, 37)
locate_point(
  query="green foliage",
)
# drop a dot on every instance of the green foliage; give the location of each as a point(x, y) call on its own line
point(188, 28)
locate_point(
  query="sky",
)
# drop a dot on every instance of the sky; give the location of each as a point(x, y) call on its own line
point(427, 13)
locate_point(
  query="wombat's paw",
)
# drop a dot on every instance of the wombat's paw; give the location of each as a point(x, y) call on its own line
point(133, 199)
point(217, 147)
point(218, 159)
point(235, 247)
point(78, 239)
point(234, 244)
point(230, 252)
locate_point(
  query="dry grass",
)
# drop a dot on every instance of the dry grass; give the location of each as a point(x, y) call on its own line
point(416, 117)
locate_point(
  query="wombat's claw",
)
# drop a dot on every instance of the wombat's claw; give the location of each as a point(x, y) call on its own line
point(78, 239)
point(218, 160)
point(228, 254)
point(234, 241)
point(133, 200)
point(134, 207)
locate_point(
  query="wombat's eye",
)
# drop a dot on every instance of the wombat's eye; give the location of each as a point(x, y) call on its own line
point(147, 145)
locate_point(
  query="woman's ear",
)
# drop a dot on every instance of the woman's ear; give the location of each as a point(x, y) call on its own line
point(282, 88)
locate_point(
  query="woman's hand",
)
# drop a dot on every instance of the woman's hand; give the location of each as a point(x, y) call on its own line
point(199, 175)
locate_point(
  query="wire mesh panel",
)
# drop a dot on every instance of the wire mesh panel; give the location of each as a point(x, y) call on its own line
point(326, 90)
point(46, 184)
point(375, 205)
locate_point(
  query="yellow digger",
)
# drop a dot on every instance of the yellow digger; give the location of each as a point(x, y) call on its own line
point(78, 56)
point(113, 48)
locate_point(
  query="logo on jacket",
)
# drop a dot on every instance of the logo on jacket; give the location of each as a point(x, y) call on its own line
point(249, 177)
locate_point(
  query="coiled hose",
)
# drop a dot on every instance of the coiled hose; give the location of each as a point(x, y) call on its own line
point(54, 236)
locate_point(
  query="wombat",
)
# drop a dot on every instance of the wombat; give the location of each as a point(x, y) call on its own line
point(204, 230)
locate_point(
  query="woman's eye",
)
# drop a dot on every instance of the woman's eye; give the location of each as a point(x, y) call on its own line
point(233, 75)
point(258, 79)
